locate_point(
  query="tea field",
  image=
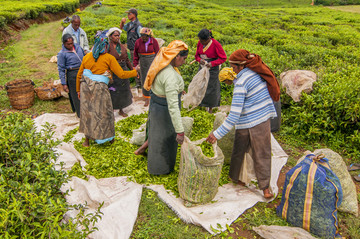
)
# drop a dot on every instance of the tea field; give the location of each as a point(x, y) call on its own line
point(312, 38)
point(287, 34)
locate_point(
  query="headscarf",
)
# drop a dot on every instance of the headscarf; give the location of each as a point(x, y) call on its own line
point(227, 73)
point(162, 59)
point(100, 46)
point(147, 31)
point(254, 62)
point(111, 31)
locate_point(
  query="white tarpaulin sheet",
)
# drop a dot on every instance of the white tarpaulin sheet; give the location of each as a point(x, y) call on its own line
point(121, 198)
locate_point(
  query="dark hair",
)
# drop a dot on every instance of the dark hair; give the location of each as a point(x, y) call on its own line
point(75, 17)
point(184, 53)
point(66, 37)
point(205, 34)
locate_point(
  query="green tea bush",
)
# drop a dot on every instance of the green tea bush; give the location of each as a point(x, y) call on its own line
point(31, 203)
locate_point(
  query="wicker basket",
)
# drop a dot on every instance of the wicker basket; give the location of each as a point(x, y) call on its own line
point(48, 91)
point(21, 93)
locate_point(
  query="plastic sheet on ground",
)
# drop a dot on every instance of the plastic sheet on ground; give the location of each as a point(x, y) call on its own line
point(282, 232)
point(121, 203)
point(122, 198)
point(230, 201)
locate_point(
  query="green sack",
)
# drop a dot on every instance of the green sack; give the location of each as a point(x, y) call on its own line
point(199, 175)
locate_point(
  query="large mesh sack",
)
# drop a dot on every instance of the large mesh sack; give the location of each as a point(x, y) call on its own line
point(197, 89)
point(311, 196)
point(199, 175)
point(226, 143)
point(139, 135)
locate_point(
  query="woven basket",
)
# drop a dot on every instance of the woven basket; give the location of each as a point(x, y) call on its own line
point(21, 93)
point(48, 91)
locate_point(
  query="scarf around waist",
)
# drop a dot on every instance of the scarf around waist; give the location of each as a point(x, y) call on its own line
point(94, 77)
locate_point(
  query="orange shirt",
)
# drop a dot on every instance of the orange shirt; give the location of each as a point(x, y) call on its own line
point(105, 62)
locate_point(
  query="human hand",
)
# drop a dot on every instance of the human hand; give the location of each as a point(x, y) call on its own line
point(208, 64)
point(202, 62)
point(78, 95)
point(211, 138)
point(123, 20)
point(180, 138)
point(184, 92)
point(137, 68)
point(66, 88)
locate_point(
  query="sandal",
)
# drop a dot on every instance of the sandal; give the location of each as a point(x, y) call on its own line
point(357, 178)
point(353, 167)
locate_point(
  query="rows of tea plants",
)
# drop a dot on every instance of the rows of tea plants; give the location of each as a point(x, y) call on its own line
point(307, 38)
point(11, 11)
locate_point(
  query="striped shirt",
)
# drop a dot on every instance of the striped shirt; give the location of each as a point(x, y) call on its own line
point(251, 103)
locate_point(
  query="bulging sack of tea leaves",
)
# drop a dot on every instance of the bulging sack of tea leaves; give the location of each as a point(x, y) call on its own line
point(226, 143)
point(197, 89)
point(199, 173)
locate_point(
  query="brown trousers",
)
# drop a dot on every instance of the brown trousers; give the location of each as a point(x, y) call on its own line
point(256, 140)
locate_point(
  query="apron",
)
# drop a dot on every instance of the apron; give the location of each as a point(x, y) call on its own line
point(96, 115)
point(162, 148)
point(145, 62)
point(212, 94)
point(120, 91)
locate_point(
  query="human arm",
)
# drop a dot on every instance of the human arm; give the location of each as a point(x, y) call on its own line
point(221, 55)
point(155, 45)
point(136, 54)
point(86, 42)
point(61, 63)
point(117, 70)
point(122, 23)
point(171, 87)
point(78, 77)
point(197, 54)
point(235, 112)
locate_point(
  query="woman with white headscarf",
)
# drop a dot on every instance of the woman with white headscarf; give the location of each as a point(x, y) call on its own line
point(120, 92)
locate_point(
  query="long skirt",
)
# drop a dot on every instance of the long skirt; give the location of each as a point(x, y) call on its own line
point(145, 62)
point(96, 114)
point(162, 148)
point(212, 94)
point(73, 97)
point(257, 141)
point(120, 91)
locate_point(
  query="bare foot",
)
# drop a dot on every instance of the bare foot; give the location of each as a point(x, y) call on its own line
point(141, 150)
point(210, 110)
point(147, 101)
point(122, 113)
point(267, 194)
point(86, 143)
point(112, 141)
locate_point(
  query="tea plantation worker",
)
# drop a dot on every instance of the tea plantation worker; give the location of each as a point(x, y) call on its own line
point(210, 53)
point(78, 34)
point(96, 110)
point(165, 130)
point(146, 48)
point(120, 91)
point(69, 61)
point(251, 110)
point(132, 29)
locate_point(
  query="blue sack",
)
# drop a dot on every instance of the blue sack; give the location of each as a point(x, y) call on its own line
point(311, 195)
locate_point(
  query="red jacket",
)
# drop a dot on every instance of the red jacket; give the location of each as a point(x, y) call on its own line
point(153, 47)
point(214, 51)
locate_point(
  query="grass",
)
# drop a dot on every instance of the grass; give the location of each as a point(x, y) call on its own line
point(261, 3)
point(352, 8)
point(29, 59)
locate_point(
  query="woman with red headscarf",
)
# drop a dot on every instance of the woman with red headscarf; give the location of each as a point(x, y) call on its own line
point(251, 109)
